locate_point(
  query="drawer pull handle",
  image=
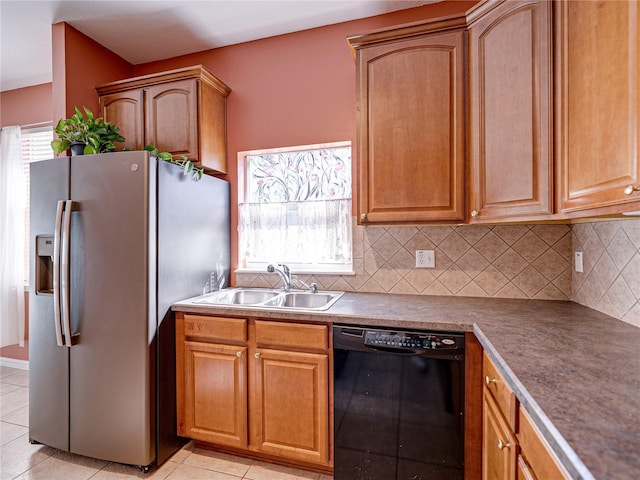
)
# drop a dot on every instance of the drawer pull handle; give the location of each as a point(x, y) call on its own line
point(257, 354)
point(475, 213)
point(488, 381)
point(238, 354)
point(502, 446)
point(629, 189)
point(363, 216)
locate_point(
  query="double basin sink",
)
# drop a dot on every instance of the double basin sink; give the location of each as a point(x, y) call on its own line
point(269, 298)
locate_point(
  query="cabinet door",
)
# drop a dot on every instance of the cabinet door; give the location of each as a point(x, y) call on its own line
point(126, 110)
point(535, 453)
point(290, 416)
point(498, 443)
point(214, 394)
point(172, 117)
point(523, 471)
point(598, 103)
point(411, 130)
point(511, 168)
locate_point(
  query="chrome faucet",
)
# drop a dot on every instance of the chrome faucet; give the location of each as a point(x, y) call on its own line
point(284, 272)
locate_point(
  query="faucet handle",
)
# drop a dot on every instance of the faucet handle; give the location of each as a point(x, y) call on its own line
point(285, 269)
point(313, 288)
point(271, 268)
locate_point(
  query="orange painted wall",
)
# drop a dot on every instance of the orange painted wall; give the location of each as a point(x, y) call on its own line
point(79, 64)
point(297, 88)
point(24, 106)
point(293, 89)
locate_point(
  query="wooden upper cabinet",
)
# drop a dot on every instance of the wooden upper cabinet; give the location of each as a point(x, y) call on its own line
point(598, 105)
point(126, 110)
point(172, 120)
point(510, 141)
point(410, 103)
point(181, 111)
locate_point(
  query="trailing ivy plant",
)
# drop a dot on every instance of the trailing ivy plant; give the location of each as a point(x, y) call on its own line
point(184, 162)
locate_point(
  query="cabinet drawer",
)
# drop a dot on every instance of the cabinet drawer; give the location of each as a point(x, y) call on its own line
point(215, 328)
point(501, 392)
point(536, 451)
point(282, 334)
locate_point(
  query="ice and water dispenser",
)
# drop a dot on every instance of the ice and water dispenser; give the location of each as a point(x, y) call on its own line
point(44, 264)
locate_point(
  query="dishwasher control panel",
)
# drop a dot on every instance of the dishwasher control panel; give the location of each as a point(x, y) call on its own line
point(412, 340)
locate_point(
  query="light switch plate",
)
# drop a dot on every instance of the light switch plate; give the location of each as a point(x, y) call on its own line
point(425, 259)
point(578, 265)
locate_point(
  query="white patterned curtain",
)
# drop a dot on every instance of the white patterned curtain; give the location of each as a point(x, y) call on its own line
point(12, 212)
point(316, 232)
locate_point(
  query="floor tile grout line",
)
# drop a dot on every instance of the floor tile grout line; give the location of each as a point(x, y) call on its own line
point(189, 446)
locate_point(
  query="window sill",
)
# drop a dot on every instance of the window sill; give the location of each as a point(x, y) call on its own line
point(345, 272)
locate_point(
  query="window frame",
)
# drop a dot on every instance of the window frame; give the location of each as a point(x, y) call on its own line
point(26, 165)
point(297, 268)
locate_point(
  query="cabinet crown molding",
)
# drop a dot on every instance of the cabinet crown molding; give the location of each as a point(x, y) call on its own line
point(409, 30)
point(198, 72)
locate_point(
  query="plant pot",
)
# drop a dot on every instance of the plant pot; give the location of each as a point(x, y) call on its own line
point(77, 148)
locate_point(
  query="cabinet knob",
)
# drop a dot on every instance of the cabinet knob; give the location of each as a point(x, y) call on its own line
point(475, 213)
point(257, 354)
point(488, 381)
point(502, 445)
point(363, 216)
point(238, 354)
point(629, 189)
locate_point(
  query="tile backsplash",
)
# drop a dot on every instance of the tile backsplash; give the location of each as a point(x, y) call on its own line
point(504, 261)
point(610, 281)
point(519, 261)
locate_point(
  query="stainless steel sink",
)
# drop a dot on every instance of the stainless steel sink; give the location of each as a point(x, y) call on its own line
point(269, 298)
point(305, 300)
point(252, 297)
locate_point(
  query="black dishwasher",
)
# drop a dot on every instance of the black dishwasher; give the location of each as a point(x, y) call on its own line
point(398, 404)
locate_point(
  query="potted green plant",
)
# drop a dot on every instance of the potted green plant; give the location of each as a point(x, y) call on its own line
point(85, 134)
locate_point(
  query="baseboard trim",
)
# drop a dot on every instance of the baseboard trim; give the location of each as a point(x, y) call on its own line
point(13, 363)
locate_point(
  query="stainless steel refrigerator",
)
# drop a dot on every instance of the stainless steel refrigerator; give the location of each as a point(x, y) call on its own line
point(115, 240)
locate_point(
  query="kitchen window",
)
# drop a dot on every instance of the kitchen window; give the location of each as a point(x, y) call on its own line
point(36, 146)
point(295, 208)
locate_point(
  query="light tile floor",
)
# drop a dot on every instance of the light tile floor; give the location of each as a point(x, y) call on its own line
point(21, 460)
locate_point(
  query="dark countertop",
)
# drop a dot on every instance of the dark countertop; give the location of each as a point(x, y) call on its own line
point(575, 370)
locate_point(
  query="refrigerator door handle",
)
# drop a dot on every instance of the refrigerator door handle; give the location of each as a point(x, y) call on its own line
point(64, 267)
point(56, 273)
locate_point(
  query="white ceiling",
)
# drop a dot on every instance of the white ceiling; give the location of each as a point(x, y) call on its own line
point(146, 30)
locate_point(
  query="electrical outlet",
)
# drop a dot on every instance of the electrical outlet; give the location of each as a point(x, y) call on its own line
point(578, 265)
point(425, 259)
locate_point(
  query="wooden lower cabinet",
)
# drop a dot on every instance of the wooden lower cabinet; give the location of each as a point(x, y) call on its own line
point(512, 447)
point(255, 386)
point(498, 443)
point(523, 471)
point(289, 417)
point(215, 394)
point(536, 457)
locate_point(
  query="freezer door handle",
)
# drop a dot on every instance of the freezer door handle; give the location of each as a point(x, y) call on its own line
point(64, 267)
point(56, 273)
